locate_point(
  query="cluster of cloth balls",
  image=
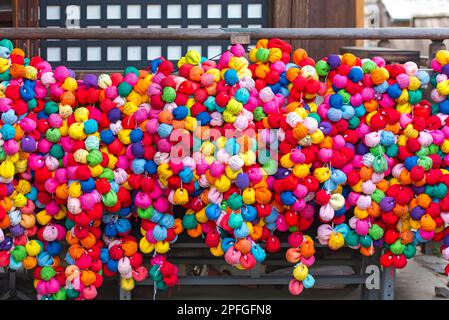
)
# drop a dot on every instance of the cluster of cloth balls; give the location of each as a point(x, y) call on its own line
point(99, 176)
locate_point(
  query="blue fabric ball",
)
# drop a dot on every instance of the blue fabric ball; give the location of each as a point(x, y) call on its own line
point(287, 198)
point(164, 130)
point(159, 233)
point(242, 95)
point(394, 91)
point(112, 265)
point(8, 132)
point(150, 167)
point(382, 88)
point(90, 126)
point(137, 166)
point(410, 162)
point(203, 118)
point(213, 211)
point(107, 136)
point(444, 107)
point(114, 115)
point(104, 255)
point(387, 138)
point(231, 77)
point(334, 114)
point(249, 213)
point(347, 112)
point(180, 112)
point(336, 101)
point(186, 175)
point(355, 74)
point(136, 135)
point(53, 248)
point(87, 185)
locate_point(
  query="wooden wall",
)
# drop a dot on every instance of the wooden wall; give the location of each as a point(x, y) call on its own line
point(25, 15)
point(318, 14)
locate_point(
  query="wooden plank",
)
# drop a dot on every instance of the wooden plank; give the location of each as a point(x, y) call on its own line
point(225, 33)
point(282, 13)
point(301, 19)
point(359, 18)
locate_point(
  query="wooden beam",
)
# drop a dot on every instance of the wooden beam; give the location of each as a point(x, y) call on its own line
point(226, 33)
point(359, 18)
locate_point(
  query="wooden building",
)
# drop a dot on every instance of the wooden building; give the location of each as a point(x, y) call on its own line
point(169, 14)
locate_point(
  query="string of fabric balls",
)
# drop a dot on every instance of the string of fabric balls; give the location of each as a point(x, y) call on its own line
point(262, 145)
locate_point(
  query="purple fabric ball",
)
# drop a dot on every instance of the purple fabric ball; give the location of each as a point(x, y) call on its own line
point(446, 240)
point(417, 212)
point(445, 69)
point(6, 244)
point(90, 80)
point(325, 127)
point(281, 173)
point(333, 61)
point(418, 190)
point(387, 204)
point(16, 230)
point(361, 149)
point(378, 243)
point(28, 144)
point(114, 115)
point(242, 181)
point(137, 150)
point(10, 188)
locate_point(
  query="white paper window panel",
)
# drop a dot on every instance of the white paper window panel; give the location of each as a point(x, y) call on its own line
point(153, 52)
point(114, 53)
point(73, 54)
point(93, 53)
point(111, 26)
point(194, 11)
point(134, 26)
point(154, 11)
point(53, 12)
point(174, 11)
point(214, 26)
point(213, 51)
point(254, 26)
point(72, 12)
point(196, 48)
point(54, 54)
point(234, 25)
point(255, 10)
point(93, 12)
point(194, 26)
point(174, 52)
point(134, 53)
point(214, 11)
point(113, 12)
point(154, 26)
point(93, 26)
point(234, 10)
point(172, 26)
point(133, 11)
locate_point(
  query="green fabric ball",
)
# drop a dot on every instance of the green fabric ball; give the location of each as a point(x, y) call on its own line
point(145, 213)
point(7, 44)
point(423, 152)
point(426, 163)
point(366, 241)
point(94, 157)
point(161, 285)
point(57, 151)
point(377, 150)
point(19, 253)
point(108, 174)
point(377, 195)
point(397, 247)
point(270, 167)
point(259, 114)
point(369, 66)
point(5, 76)
point(322, 68)
point(155, 273)
point(435, 108)
point(433, 149)
point(392, 151)
point(60, 295)
point(376, 232)
point(440, 190)
point(262, 54)
point(51, 107)
point(131, 69)
point(235, 220)
point(409, 251)
point(72, 293)
point(110, 198)
point(293, 229)
point(2, 154)
point(380, 164)
point(53, 135)
point(316, 116)
point(169, 94)
point(69, 224)
point(124, 89)
point(354, 122)
point(47, 273)
point(32, 104)
point(345, 95)
point(189, 221)
point(415, 96)
point(352, 239)
point(235, 201)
